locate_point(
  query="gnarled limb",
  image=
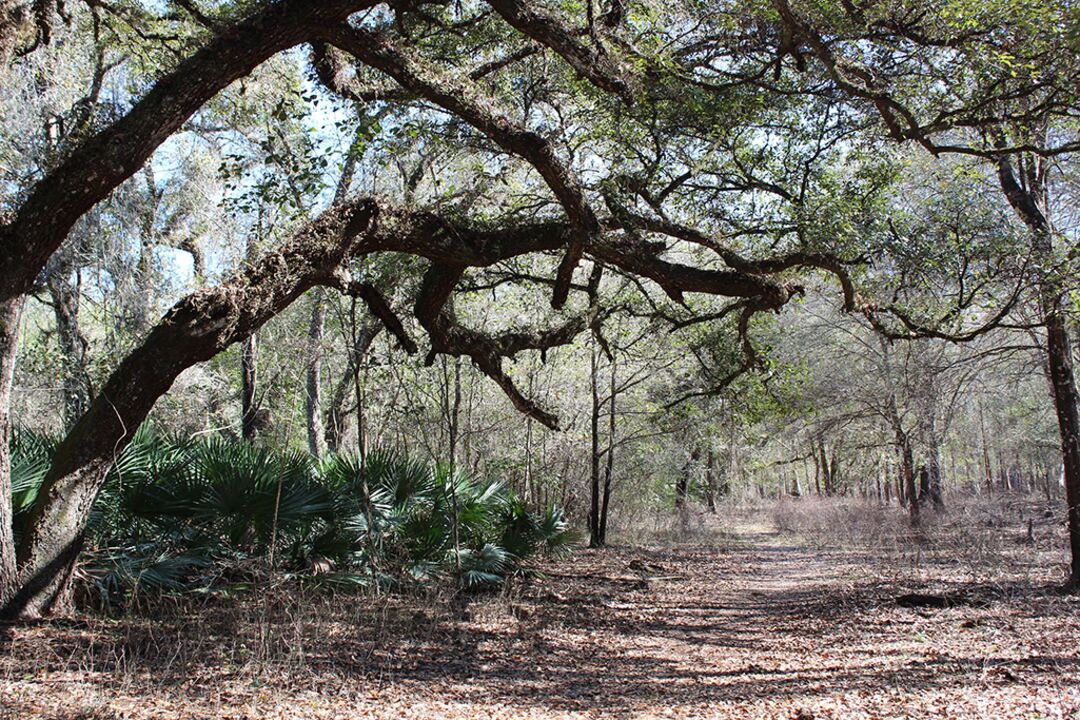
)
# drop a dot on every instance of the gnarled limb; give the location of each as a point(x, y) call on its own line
point(461, 97)
point(209, 320)
point(380, 308)
point(106, 159)
point(197, 328)
point(595, 65)
point(449, 337)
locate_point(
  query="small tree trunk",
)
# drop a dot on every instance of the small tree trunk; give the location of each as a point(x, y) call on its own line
point(336, 416)
point(73, 346)
point(527, 480)
point(710, 481)
point(1003, 471)
point(249, 375)
point(933, 457)
point(315, 431)
point(824, 464)
point(10, 312)
point(723, 472)
point(595, 537)
point(610, 460)
point(834, 473)
point(903, 441)
point(817, 469)
point(249, 365)
point(682, 485)
point(988, 470)
point(452, 413)
point(907, 473)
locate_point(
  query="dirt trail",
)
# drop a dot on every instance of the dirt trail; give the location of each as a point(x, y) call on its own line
point(760, 628)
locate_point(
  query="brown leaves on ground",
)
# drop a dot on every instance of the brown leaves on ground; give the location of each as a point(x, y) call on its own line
point(762, 628)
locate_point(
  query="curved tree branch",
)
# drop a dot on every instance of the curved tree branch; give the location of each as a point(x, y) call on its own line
point(462, 97)
point(115, 153)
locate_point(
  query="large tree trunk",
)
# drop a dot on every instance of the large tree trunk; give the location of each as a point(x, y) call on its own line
point(1030, 201)
point(195, 330)
point(10, 312)
point(1066, 403)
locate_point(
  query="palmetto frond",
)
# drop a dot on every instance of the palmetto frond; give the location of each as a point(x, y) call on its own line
point(178, 514)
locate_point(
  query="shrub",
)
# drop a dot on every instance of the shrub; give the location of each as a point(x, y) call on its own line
point(181, 515)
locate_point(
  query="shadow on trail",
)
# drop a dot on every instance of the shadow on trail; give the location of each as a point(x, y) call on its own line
point(700, 626)
point(688, 641)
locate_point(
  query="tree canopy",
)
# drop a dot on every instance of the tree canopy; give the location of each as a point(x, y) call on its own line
point(697, 168)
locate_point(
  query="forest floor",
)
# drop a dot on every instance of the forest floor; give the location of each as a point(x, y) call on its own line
point(743, 622)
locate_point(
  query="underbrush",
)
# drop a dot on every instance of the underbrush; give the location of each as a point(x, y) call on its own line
point(988, 539)
point(260, 633)
point(214, 518)
point(691, 525)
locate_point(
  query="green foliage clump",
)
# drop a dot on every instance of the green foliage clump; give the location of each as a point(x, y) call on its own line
point(181, 515)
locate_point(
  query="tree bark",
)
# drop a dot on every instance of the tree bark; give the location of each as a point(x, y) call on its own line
point(72, 344)
point(817, 469)
point(834, 473)
point(1031, 204)
point(1030, 201)
point(609, 461)
point(710, 481)
point(682, 485)
point(196, 329)
point(315, 431)
point(250, 420)
point(923, 475)
point(18, 31)
point(1066, 403)
point(933, 459)
point(10, 312)
point(826, 470)
point(595, 539)
point(902, 438)
point(907, 474)
point(108, 158)
point(336, 415)
point(249, 381)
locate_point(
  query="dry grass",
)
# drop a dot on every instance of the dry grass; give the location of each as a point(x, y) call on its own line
point(978, 539)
